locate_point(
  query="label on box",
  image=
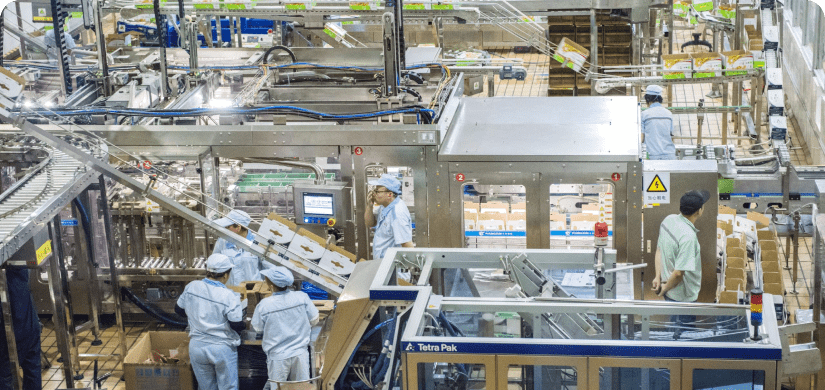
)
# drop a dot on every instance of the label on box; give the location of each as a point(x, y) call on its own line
point(337, 263)
point(307, 248)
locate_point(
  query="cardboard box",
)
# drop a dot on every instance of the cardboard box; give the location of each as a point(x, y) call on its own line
point(758, 57)
point(308, 245)
point(727, 11)
point(735, 252)
point(761, 220)
point(735, 273)
point(733, 242)
point(492, 221)
point(471, 207)
point(727, 227)
point(520, 207)
point(494, 207)
point(772, 277)
point(517, 221)
point(141, 375)
point(706, 65)
point(767, 245)
point(766, 235)
point(583, 222)
point(768, 256)
point(677, 66)
point(338, 260)
point(729, 297)
point(726, 210)
point(470, 221)
point(278, 229)
point(570, 54)
point(558, 222)
point(735, 285)
point(681, 8)
point(735, 262)
point(773, 289)
point(736, 62)
point(771, 266)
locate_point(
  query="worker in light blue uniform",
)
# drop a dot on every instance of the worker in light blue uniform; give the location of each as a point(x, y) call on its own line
point(247, 266)
point(657, 126)
point(26, 333)
point(393, 227)
point(215, 316)
point(285, 318)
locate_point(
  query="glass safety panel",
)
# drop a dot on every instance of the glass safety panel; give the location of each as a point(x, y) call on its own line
point(495, 216)
point(541, 377)
point(454, 376)
point(633, 378)
point(574, 211)
point(708, 379)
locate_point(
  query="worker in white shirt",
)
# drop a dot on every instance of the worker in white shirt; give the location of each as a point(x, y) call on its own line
point(285, 318)
point(215, 317)
point(247, 266)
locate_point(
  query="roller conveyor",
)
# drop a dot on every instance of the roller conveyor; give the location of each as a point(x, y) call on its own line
point(32, 201)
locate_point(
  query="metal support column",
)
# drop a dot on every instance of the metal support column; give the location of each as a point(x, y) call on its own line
point(20, 26)
point(398, 13)
point(61, 327)
point(95, 298)
point(594, 49)
point(391, 67)
point(58, 17)
point(107, 224)
point(11, 341)
point(160, 22)
point(101, 47)
point(3, 29)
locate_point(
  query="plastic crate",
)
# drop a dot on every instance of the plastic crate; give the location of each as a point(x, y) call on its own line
point(313, 291)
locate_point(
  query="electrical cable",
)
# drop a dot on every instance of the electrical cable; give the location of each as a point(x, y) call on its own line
point(155, 312)
point(265, 57)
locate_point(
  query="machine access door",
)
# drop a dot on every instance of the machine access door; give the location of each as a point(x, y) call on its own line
point(494, 208)
point(407, 164)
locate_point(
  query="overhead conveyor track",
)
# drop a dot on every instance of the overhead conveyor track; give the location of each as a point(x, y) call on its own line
point(28, 205)
point(274, 253)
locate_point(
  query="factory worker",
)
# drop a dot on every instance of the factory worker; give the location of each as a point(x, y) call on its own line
point(26, 333)
point(657, 126)
point(52, 52)
point(678, 257)
point(215, 317)
point(285, 318)
point(393, 227)
point(247, 265)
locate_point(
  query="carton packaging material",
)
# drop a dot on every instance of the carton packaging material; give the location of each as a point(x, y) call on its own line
point(517, 221)
point(518, 207)
point(767, 245)
point(729, 297)
point(570, 54)
point(766, 235)
point(773, 289)
point(735, 285)
point(278, 229)
point(308, 245)
point(736, 62)
point(470, 221)
point(140, 373)
point(770, 256)
point(338, 260)
point(494, 207)
point(492, 221)
point(761, 220)
point(727, 11)
point(735, 273)
point(726, 210)
point(470, 207)
point(735, 252)
point(703, 5)
point(735, 262)
point(706, 65)
point(677, 66)
point(758, 58)
point(681, 8)
point(770, 266)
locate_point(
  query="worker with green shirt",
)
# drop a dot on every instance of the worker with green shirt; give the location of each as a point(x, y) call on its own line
point(678, 259)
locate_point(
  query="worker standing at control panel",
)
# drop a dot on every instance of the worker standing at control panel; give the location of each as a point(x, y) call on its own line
point(657, 126)
point(285, 318)
point(247, 266)
point(215, 318)
point(393, 227)
point(678, 257)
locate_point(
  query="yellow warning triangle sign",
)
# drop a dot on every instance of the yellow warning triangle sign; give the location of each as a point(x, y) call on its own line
point(656, 185)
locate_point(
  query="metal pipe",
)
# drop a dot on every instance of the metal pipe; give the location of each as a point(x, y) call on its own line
point(160, 22)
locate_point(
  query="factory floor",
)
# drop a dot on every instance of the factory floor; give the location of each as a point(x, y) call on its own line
point(534, 85)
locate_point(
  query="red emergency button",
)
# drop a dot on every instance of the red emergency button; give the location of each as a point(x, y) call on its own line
point(331, 222)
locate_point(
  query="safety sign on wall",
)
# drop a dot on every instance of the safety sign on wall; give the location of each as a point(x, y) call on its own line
point(656, 188)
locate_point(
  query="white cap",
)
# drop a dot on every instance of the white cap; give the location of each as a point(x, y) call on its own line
point(279, 276)
point(654, 90)
point(218, 263)
point(234, 216)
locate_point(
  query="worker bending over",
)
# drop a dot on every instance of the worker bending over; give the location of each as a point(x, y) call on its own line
point(678, 258)
point(215, 317)
point(285, 318)
point(393, 228)
point(657, 126)
point(247, 267)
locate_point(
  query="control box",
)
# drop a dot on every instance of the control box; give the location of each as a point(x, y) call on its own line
point(321, 204)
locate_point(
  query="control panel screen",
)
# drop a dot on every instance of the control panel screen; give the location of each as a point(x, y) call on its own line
point(318, 204)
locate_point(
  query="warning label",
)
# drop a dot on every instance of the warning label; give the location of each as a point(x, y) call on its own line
point(656, 185)
point(657, 188)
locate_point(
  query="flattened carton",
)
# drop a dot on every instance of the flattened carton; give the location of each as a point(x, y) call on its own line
point(706, 65)
point(677, 66)
point(141, 375)
point(571, 54)
point(736, 62)
point(702, 5)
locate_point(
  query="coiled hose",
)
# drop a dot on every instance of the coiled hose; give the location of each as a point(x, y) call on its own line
point(154, 311)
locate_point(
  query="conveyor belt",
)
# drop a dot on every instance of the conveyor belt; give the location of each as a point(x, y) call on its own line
point(32, 201)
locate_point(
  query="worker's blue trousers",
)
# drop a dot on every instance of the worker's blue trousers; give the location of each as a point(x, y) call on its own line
point(26, 333)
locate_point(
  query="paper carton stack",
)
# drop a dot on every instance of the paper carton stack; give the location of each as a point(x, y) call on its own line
point(771, 267)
